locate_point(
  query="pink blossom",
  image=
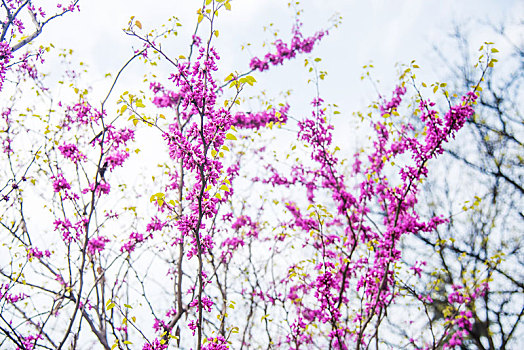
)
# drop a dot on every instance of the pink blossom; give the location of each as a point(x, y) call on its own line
point(71, 152)
point(217, 343)
point(60, 183)
point(96, 245)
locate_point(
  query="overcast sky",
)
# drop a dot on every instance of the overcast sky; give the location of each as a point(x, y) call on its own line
point(384, 32)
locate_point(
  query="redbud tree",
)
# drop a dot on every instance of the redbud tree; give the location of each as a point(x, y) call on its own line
point(235, 239)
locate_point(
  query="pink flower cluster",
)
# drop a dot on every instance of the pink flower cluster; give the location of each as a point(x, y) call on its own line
point(71, 152)
point(168, 99)
point(462, 320)
point(36, 253)
point(285, 52)
point(96, 245)
point(205, 129)
point(60, 183)
point(5, 56)
point(10, 297)
point(306, 223)
point(374, 274)
point(69, 8)
point(246, 221)
point(230, 244)
point(260, 119)
point(155, 225)
point(69, 231)
point(103, 187)
point(116, 159)
point(81, 113)
point(207, 303)
point(134, 239)
point(30, 341)
point(116, 141)
point(37, 11)
point(217, 343)
point(119, 137)
point(155, 345)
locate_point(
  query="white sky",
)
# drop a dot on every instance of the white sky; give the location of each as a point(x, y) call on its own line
point(385, 31)
point(382, 31)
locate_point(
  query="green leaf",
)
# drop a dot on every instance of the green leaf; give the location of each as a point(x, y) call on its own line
point(230, 136)
point(157, 196)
